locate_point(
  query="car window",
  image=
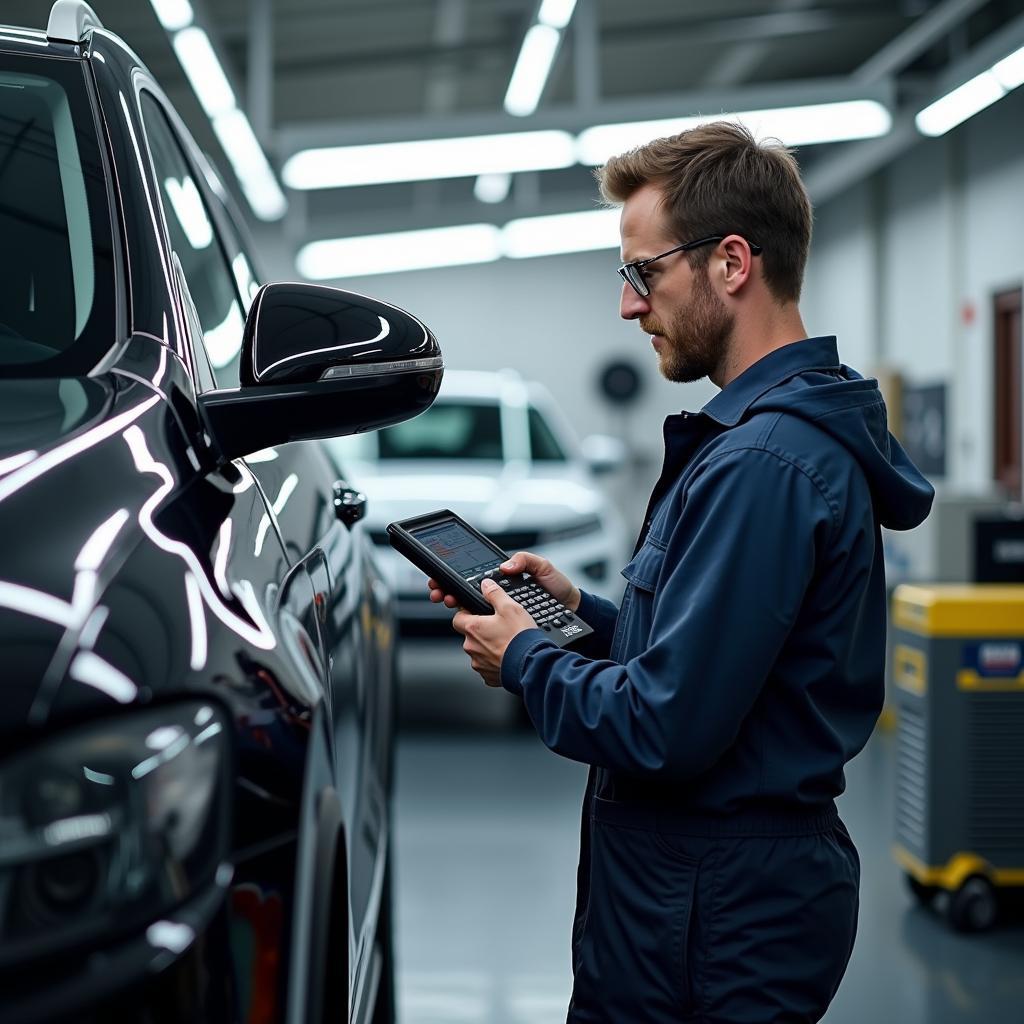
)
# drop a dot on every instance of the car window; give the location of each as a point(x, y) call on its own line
point(244, 268)
point(57, 299)
point(447, 430)
point(544, 446)
point(211, 282)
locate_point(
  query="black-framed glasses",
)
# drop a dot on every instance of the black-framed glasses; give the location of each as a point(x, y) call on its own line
point(633, 273)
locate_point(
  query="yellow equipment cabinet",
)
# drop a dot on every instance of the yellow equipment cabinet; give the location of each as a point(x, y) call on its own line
point(958, 678)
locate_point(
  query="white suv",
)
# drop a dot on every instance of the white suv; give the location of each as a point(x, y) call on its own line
point(496, 450)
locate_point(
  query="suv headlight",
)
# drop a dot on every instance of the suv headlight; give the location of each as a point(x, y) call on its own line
point(579, 528)
point(107, 826)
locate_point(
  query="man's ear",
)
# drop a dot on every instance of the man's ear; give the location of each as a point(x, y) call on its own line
point(737, 263)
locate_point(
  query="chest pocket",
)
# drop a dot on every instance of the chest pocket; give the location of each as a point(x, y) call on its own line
point(644, 570)
point(637, 609)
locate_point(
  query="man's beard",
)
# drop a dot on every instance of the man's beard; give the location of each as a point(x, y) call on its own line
point(696, 339)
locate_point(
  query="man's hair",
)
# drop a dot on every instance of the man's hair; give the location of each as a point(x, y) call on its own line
point(717, 179)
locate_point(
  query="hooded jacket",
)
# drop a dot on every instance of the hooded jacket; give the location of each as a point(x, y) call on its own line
point(745, 665)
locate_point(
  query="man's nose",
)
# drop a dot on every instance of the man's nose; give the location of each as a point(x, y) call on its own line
point(631, 305)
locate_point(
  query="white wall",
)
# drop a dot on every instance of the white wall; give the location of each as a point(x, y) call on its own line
point(554, 319)
point(937, 232)
point(844, 251)
point(894, 260)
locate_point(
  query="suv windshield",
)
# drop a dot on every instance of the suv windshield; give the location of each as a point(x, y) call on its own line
point(447, 430)
point(56, 266)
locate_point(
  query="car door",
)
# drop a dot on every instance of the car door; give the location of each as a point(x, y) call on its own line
point(330, 601)
point(352, 607)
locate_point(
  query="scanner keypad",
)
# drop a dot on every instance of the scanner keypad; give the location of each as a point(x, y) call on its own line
point(546, 611)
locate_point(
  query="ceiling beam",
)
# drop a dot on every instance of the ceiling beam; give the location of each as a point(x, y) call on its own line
point(412, 218)
point(290, 138)
point(586, 55)
point(259, 93)
point(833, 173)
point(315, 59)
point(735, 64)
point(923, 34)
point(848, 164)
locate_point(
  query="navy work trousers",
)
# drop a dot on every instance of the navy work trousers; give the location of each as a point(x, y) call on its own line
point(743, 921)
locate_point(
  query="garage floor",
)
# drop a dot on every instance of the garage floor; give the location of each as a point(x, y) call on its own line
point(487, 833)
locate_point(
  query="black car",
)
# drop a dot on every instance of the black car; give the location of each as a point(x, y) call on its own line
point(196, 647)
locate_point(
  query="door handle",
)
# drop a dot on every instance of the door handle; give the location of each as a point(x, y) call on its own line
point(349, 504)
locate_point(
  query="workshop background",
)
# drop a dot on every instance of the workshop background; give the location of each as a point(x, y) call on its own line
point(502, 249)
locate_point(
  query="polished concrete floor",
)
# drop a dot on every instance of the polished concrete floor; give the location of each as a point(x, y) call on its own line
point(487, 824)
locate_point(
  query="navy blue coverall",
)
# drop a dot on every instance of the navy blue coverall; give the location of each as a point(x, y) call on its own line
point(718, 705)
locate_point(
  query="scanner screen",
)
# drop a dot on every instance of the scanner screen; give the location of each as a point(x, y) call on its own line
point(458, 548)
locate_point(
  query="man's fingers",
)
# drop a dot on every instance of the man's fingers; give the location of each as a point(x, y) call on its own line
point(521, 561)
point(493, 594)
point(437, 595)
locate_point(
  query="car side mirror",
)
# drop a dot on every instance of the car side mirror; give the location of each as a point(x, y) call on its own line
point(604, 453)
point(323, 362)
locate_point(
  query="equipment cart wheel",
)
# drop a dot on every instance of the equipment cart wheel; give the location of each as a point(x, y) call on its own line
point(924, 894)
point(973, 907)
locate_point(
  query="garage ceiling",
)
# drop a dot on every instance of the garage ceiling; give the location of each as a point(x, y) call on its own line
point(333, 72)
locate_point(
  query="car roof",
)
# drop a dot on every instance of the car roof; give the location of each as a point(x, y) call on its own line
point(70, 24)
point(491, 386)
point(25, 40)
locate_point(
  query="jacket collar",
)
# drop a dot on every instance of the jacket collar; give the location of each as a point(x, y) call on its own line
point(731, 403)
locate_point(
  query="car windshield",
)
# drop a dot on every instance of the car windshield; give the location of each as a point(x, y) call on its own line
point(56, 264)
point(447, 430)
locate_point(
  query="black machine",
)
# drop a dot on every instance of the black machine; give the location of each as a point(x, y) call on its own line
point(460, 558)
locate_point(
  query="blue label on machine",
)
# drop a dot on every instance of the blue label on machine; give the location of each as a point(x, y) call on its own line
point(994, 659)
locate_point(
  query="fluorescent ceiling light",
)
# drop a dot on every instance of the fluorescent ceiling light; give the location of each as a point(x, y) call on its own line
point(793, 126)
point(224, 341)
point(531, 71)
point(250, 165)
point(1009, 71)
point(343, 166)
point(973, 96)
point(400, 250)
point(821, 122)
point(231, 126)
point(561, 233)
point(188, 208)
point(963, 102)
point(459, 246)
point(530, 75)
point(556, 13)
point(173, 14)
point(193, 48)
point(492, 188)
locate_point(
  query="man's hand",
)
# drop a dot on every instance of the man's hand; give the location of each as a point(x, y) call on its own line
point(487, 636)
point(556, 583)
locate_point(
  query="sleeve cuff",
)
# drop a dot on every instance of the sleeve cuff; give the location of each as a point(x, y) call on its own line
point(588, 610)
point(521, 645)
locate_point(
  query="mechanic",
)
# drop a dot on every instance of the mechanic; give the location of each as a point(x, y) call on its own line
point(718, 705)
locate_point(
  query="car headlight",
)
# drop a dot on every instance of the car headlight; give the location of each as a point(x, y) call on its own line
point(107, 826)
point(579, 528)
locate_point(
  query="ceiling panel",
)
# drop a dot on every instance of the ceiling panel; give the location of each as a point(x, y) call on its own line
point(362, 68)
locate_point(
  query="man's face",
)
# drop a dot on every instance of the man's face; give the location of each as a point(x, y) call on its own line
point(688, 323)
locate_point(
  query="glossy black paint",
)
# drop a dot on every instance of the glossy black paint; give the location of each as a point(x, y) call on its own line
point(231, 579)
point(320, 362)
point(257, 417)
point(298, 332)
